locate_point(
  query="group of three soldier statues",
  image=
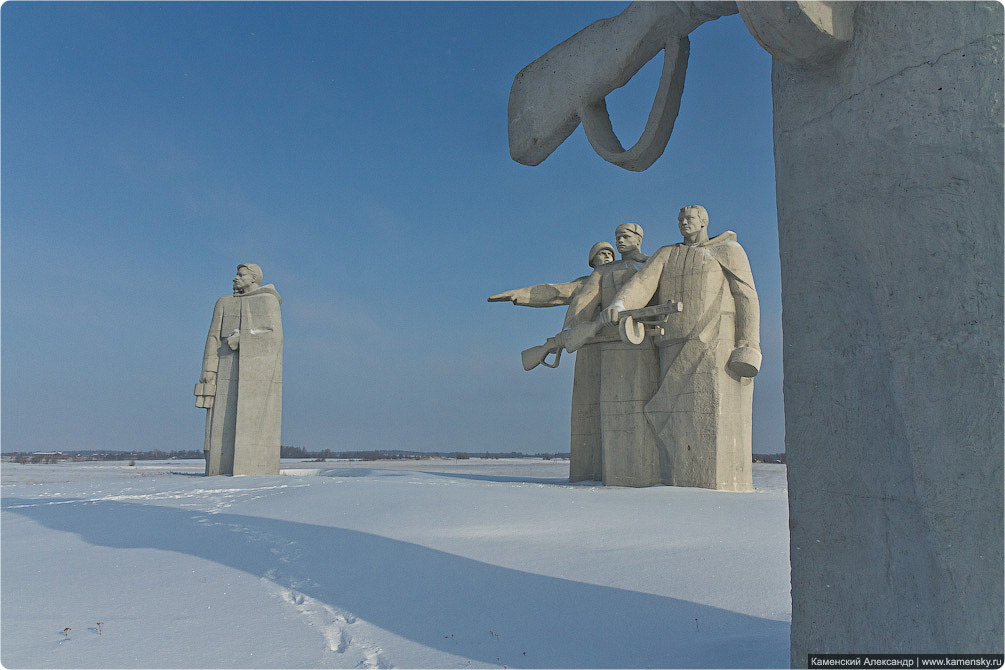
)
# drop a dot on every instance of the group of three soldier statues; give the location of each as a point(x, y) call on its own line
point(666, 348)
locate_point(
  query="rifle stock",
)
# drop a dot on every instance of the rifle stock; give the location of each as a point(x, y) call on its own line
point(536, 355)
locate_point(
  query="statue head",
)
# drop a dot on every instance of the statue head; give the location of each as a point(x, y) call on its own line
point(628, 237)
point(249, 276)
point(693, 222)
point(601, 253)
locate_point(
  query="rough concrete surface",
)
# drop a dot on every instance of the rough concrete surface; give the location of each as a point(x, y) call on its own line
point(888, 167)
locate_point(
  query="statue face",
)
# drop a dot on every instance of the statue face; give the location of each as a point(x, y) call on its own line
point(690, 223)
point(603, 256)
point(627, 242)
point(244, 280)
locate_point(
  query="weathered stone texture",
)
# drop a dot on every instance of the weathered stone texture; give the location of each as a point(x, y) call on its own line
point(889, 186)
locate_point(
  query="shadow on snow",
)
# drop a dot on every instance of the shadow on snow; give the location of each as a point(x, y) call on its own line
point(381, 472)
point(551, 481)
point(437, 599)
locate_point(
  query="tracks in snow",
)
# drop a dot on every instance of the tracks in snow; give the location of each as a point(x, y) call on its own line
point(346, 643)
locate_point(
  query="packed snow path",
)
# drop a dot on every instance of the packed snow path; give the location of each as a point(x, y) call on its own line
point(414, 564)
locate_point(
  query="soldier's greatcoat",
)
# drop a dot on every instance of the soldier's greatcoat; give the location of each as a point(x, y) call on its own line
point(701, 413)
point(243, 425)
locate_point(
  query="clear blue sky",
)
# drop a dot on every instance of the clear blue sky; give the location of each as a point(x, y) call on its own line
point(358, 153)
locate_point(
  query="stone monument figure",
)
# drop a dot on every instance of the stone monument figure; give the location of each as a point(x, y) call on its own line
point(585, 454)
point(701, 412)
point(241, 385)
point(610, 440)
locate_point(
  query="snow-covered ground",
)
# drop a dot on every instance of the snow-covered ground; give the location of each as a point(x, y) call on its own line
point(408, 564)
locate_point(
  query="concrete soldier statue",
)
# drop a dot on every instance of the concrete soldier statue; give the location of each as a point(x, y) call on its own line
point(701, 414)
point(241, 385)
point(610, 439)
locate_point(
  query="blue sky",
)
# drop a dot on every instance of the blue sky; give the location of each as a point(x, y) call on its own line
point(358, 153)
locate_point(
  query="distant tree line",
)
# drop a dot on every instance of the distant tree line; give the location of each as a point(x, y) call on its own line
point(398, 454)
point(63, 456)
point(298, 452)
point(284, 452)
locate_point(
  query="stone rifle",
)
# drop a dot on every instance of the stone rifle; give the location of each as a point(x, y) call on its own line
point(632, 326)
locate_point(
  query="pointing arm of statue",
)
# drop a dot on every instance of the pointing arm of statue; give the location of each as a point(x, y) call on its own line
point(540, 295)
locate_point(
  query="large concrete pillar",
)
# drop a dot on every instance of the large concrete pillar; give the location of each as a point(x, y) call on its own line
point(888, 164)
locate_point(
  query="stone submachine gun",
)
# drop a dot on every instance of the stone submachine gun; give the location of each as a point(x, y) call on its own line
point(633, 324)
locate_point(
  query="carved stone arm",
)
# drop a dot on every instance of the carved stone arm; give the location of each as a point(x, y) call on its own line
point(568, 85)
point(540, 295)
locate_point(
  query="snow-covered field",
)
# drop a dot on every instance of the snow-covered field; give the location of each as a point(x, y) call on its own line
point(408, 564)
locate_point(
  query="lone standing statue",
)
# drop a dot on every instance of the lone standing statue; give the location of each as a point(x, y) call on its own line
point(241, 385)
point(701, 413)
